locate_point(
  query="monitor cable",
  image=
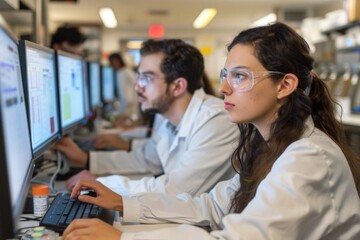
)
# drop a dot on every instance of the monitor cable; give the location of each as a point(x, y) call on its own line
point(58, 168)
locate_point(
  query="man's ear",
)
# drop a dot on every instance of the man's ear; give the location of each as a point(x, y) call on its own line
point(179, 86)
point(287, 85)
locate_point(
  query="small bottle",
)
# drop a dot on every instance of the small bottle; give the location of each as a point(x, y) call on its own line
point(41, 199)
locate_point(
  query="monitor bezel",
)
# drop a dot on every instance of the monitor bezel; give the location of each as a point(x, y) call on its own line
point(79, 123)
point(23, 44)
point(86, 89)
point(9, 227)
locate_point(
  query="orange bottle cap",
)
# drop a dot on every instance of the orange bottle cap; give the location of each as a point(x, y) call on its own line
point(41, 190)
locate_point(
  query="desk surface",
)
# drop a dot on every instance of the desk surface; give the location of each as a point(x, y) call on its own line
point(127, 227)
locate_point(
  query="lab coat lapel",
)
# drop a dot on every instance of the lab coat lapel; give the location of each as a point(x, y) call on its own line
point(188, 119)
point(163, 144)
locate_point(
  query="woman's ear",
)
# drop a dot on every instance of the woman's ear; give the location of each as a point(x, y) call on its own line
point(179, 86)
point(287, 85)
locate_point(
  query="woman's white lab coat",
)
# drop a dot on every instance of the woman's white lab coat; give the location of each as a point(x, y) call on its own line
point(308, 194)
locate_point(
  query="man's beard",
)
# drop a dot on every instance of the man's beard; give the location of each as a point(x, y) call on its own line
point(160, 104)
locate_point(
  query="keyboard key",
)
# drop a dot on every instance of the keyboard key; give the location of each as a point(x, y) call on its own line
point(72, 212)
point(81, 210)
point(94, 211)
point(62, 220)
point(68, 207)
point(87, 211)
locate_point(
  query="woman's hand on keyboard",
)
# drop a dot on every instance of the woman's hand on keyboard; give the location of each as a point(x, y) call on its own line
point(105, 198)
point(91, 228)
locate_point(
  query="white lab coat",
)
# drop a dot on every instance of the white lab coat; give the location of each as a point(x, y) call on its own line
point(308, 194)
point(127, 95)
point(194, 162)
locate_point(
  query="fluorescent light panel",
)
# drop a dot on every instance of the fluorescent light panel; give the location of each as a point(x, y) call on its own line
point(270, 18)
point(108, 17)
point(206, 15)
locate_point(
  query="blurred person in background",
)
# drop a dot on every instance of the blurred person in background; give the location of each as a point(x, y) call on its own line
point(128, 111)
point(69, 39)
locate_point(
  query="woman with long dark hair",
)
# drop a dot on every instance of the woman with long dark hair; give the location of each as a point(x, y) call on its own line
point(297, 177)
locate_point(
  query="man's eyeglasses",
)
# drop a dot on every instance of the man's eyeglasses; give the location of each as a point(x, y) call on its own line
point(242, 79)
point(143, 79)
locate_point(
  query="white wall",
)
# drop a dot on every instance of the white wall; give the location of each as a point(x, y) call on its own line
point(213, 45)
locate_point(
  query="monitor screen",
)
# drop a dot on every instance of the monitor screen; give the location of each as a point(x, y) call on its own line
point(108, 84)
point(38, 71)
point(71, 91)
point(15, 148)
point(94, 84)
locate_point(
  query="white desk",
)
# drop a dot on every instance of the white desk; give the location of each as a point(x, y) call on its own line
point(126, 227)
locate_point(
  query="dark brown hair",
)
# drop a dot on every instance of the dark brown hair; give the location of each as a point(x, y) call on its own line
point(181, 60)
point(117, 57)
point(69, 34)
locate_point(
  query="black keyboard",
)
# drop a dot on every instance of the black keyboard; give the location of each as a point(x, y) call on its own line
point(64, 209)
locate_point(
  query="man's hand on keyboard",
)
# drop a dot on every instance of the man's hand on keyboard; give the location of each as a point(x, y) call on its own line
point(105, 197)
point(72, 152)
point(111, 141)
point(90, 229)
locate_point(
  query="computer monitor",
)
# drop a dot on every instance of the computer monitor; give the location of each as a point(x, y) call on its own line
point(94, 84)
point(39, 76)
point(16, 164)
point(71, 91)
point(108, 84)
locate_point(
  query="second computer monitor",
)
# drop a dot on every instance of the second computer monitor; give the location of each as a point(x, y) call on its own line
point(108, 84)
point(94, 84)
point(39, 75)
point(71, 91)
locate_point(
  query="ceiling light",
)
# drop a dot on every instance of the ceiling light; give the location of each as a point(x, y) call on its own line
point(108, 17)
point(204, 17)
point(270, 18)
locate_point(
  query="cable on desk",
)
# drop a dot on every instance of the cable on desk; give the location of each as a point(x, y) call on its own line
point(23, 218)
point(53, 177)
